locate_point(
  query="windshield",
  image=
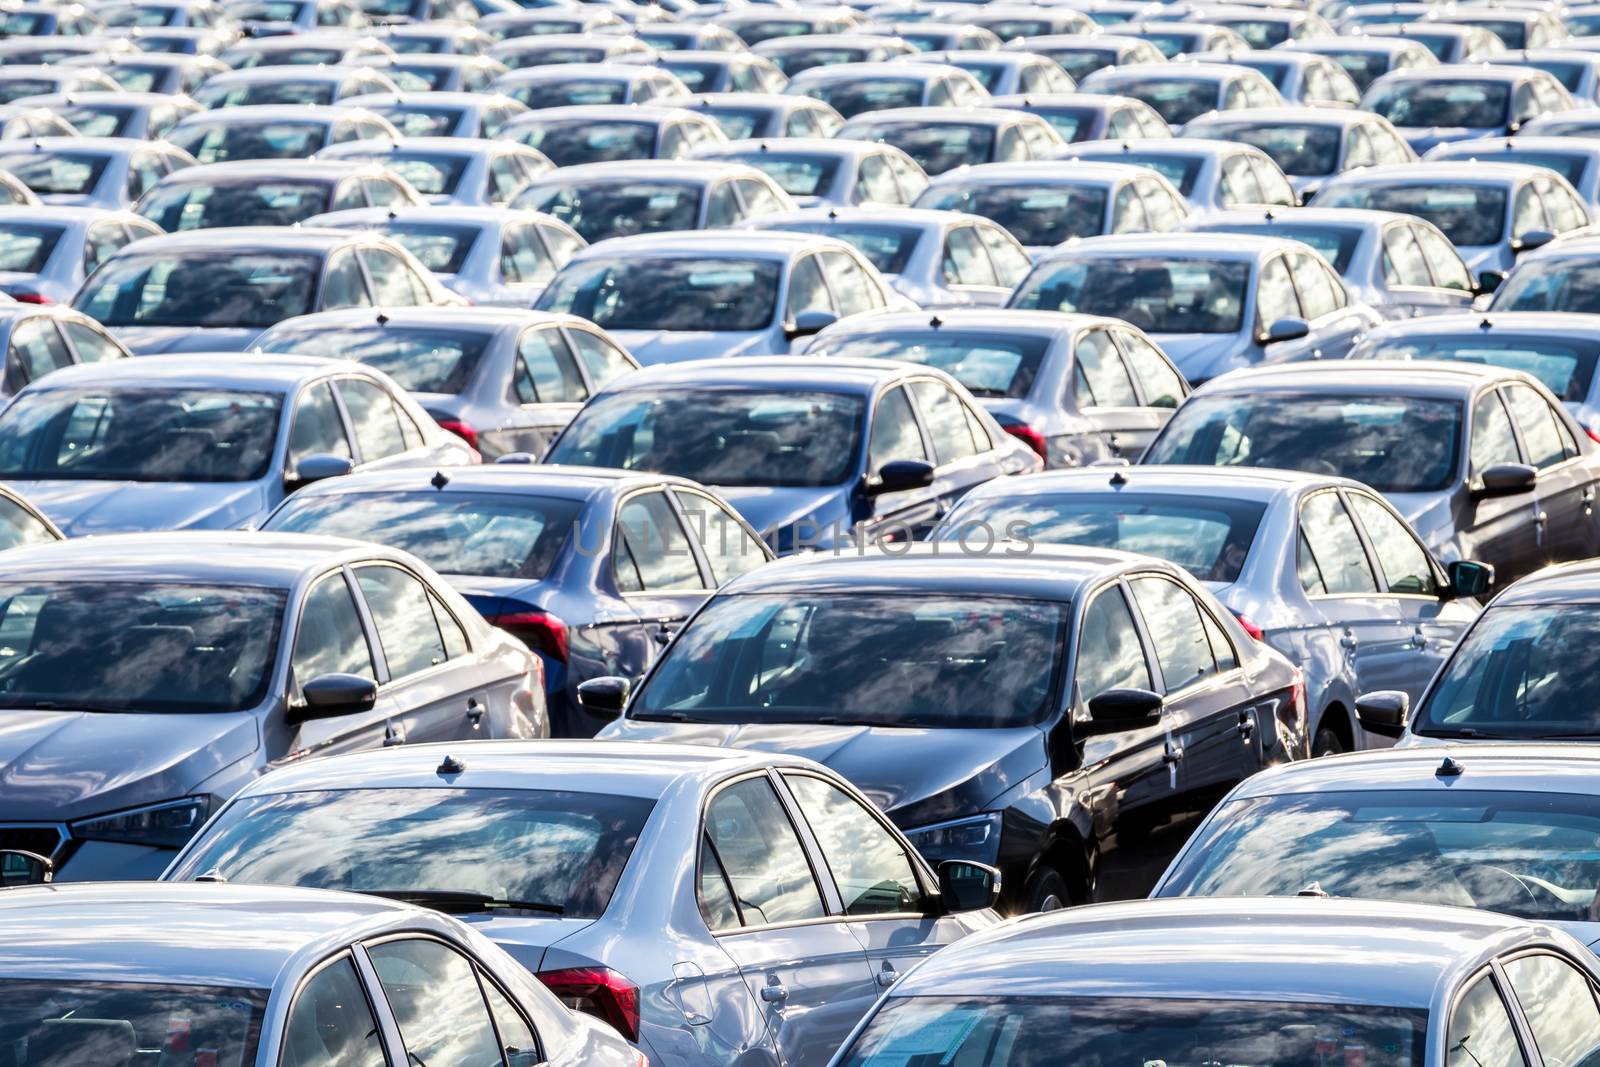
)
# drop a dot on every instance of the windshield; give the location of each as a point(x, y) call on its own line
point(67, 1023)
point(688, 293)
point(1570, 165)
point(571, 142)
point(487, 535)
point(1045, 214)
point(107, 645)
point(1336, 243)
point(936, 148)
point(442, 248)
point(1520, 672)
point(1299, 150)
point(284, 57)
point(1175, 99)
point(1475, 104)
point(889, 247)
point(1072, 123)
point(266, 91)
point(197, 206)
point(420, 359)
point(1566, 284)
point(569, 92)
point(1469, 215)
point(799, 175)
point(25, 249)
point(867, 94)
point(1209, 538)
point(218, 142)
point(97, 120)
point(1039, 1031)
point(1181, 170)
point(1565, 366)
point(988, 364)
point(598, 210)
point(726, 437)
point(561, 849)
point(1364, 68)
point(55, 173)
point(270, 11)
point(737, 123)
point(416, 120)
point(226, 291)
point(863, 659)
point(1156, 294)
point(1396, 444)
point(139, 433)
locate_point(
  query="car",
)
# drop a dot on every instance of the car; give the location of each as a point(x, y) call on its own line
point(1180, 92)
point(24, 121)
point(943, 139)
point(292, 85)
point(1555, 347)
point(319, 48)
point(1577, 70)
point(1262, 28)
point(1571, 157)
point(304, 979)
point(1519, 29)
point(1091, 116)
point(717, 72)
point(103, 172)
point(791, 55)
point(1007, 71)
point(852, 89)
point(21, 524)
point(49, 50)
point(1449, 44)
point(748, 115)
point(1578, 122)
point(419, 72)
point(437, 36)
point(1556, 277)
point(1491, 211)
point(993, 711)
point(435, 16)
point(562, 19)
point(1074, 388)
point(1399, 265)
point(1309, 144)
point(1302, 78)
point(689, 37)
point(150, 116)
point(21, 81)
point(1484, 462)
point(936, 259)
point(1319, 568)
point(548, 49)
point(1211, 175)
point(1212, 302)
point(443, 114)
point(268, 193)
point(1012, 21)
point(275, 131)
point(1366, 58)
point(1433, 106)
point(46, 252)
point(154, 72)
point(694, 295)
point(735, 428)
point(762, 22)
point(1079, 56)
point(1401, 983)
point(952, 34)
point(604, 133)
point(828, 171)
point(216, 290)
point(272, 18)
point(181, 41)
point(569, 84)
point(458, 171)
point(880, 909)
point(37, 341)
point(1183, 40)
point(493, 257)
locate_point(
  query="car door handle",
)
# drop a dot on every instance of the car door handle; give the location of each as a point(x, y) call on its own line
point(475, 713)
point(774, 992)
point(887, 975)
point(1419, 638)
point(1173, 753)
point(1247, 725)
point(1348, 640)
point(1588, 501)
point(1541, 517)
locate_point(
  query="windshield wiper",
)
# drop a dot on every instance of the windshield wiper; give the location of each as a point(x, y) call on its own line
point(26, 704)
point(463, 900)
point(1473, 733)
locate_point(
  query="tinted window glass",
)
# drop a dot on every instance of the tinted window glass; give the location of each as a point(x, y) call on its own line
point(870, 866)
point(229, 291)
point(406, 627)
point(1559, 1004)
point(652, 550)
point(1160, 295)
point(1481, 1031)
point(1109, 653)
point(331, 1023)
point(1173, 620)
point(1534, 419)
point(419, 359)
point(545, 371)
point(330, 639)
point(946, 423)
point(317, 426)
point(374, 417)
point(987, 364)
point(762, 855)
point(1403, 560)
point(895, 434)
point(729, 549)
point(1033, 214)
point(437, 1002)
point(1336, 551)
point(691, 293)
point(1101, 378)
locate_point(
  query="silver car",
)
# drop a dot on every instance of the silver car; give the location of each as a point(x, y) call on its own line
point(1309, 144)
point(1577, 159)
point(829, 171)
point(46, 252)
point(714, 906)
point(103, 172)
point(1211, 175)
point(464, 171)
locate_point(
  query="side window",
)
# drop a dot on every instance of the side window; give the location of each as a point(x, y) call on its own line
point(562, 245)
point(1563, 208)
point(1492, 439)
point(17, 527)
point(946, 422)
point(36, 350)
point(349, 196)
point(758, 199)
point(331, 1023)
point(1481, 1031)
point(546, 373)
point(1163, 209)
point(1316, 286)
point(671, 144)
point(1403, 560)
point(869, 865)
point(1528, 212)
point(1128, 213)
point(330, 639)
point(1011, 262)
point(1332, 559)
point(875, 182)
point(517, 1039)
point(382, 192)
point(728, 547)
point(1275, 188)
point(1560, 1007)
point(1100, 379)
point(101, 241)
point(455, 638)
point(1239, 185)
point(722, 207)
point(966, 262)
point(1275, 298)
point(1109, 653)
point(393, 281)
point(505, 178)
point(1011, 149)
point(1222, 649)
point(603, 360)
point(1173, 619)
point(1539, 435)
point(852, 287)
point(437, 1002)
point(406, 627)
point(317, 427)
point(1163, 385)
point(807, 290)
point(894, 432)
point(1449, 271)
point(652, 551)
point(1358, 149)
point(344, 287)
point(523, 259)
point(717, 906)
point(374, 418)
point(1404, 262)
point(760, 852)
point(144, 170)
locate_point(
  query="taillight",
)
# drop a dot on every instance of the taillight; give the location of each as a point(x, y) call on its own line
point(539, 630)
point(460, 429)
point(1028, 436)
point(598, 991)
point(1297, 695)
point(1250, 625)
point(40, 298)
point(1594, 435)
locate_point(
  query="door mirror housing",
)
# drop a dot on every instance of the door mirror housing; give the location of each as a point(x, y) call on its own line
point(1284, 330)
point(1384, 712)
point(604, 697)
point(1528, 240)
point(809, 322)
point(968, 886)
point(898, 475)
point(1117, 710)
point(328, 696)
point(1488, 282)
point(1506, 479)
point(315, 468)
point(1468, 577)
point(18, 867)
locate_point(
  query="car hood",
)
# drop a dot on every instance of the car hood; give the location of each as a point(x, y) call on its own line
point(769, 509)
point(1200, 356)
point(95, 507)
point(61, 765)
point(916, 776)
point(162, 340)
point(676, 346)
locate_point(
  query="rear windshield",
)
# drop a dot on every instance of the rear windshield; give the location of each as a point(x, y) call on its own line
point(1181, 171)
point(1044, 214)
point(198, 205)
point(987, 364)
point(572, 141)
point(1336, 243)
point(441, 248)
point(64, 173)
point(799, 175)
point(218, 142)
point(25, 249)
point(936, 147)
point(1565, 366)
point(422, 360)
point(889, 247)
point(71, 1022)
point(1470, 215)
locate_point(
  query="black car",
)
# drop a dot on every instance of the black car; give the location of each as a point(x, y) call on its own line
point(1064, 714)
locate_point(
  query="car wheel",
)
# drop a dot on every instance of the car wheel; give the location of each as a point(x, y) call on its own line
point(1326, 743)
point(1045, 890)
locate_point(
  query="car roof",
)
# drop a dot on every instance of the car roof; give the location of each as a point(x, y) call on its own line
point(1475, 172)
point(288, 73)
point(63, 215)
point(481, 318)
point(481, 215)
point(1487, 146)
point(970, 116)
point(248, 239)
point(227, 370)
point(1524, 767)
point(1177, 246)
point(261, 170)
point(108, 146)
point(1044, 172)
point(1169, 146)
point(993, 322)
point(1462, 72)
point(275, 113)
point(1358, 218)
point(1305, 116)
point(1258, 484)
point(755, 244)
point(1566, 324)
point(838, 72)
point(923, 218)
point(231, 557)
point(768, 372)
point(630, 170)
point(602, 113)
point(1382, 377)
point(1087, 101)
point(1194, 69)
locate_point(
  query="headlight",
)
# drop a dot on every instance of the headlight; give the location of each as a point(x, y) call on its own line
point(169, 824)
point(976, 838)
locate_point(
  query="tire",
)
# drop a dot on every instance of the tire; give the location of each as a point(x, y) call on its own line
point(1326, 743)
point(1045, 890)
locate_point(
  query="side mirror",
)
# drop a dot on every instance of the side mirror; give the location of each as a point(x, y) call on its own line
point(604, 697)
point(1384, 712)
point(29, 868)
point(1506, 479)
point(1528, 241)
point(968, 886)
point(898, 475)
point(1488, 282)
point(317, 467)
point(809, 322)
point(1284, 330)
point(1468, 577)
point(1116, 710)
point(328, 696)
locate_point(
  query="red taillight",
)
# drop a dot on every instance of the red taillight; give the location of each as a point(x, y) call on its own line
point(40, 298)
point(1594, 435)
point(460, 429)
point(1028, 436)
point(539, 630)
point(598, 991)
point(1250, 626)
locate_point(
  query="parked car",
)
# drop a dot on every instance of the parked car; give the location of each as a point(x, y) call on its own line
point(746, 115)
point(570, 84)
point(293, 84)
point(717, 71)
point(19, 81)
point(103, 172)
point(605, 133)
point(1078, 56)
point(1010, 70)
point(1432, 106)
point(1309, 144)
point(1211, 175)
point(413, 72)
point(1449, 44)
point(854, 88)
point(268, 193)
point(318, 48)
point(942, 139)
point(1574, 158)
point(37, 341)
point(295, 131)
point(157, 72)
point(791, 55)
point(149, 116)
point(1483, 462)
point(1366, 58)
point(437, 113)
point(1558, 276)
point(1577, 70)
point(46, 252)
point(1182, 39)
point(1091, 116)
point(1578, 122)
point(1183, 91)
point(1302, 78)
point(461, 171)
point(828, 171)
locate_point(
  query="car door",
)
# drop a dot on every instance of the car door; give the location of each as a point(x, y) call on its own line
point(658, 573)
point(1564, 494)
point(545, 392)
point(1103, 392)
point(435, 689)
point(895, 435)
point(1499, 530)
point(331, 637)
point(961, 460)
point(796, 953)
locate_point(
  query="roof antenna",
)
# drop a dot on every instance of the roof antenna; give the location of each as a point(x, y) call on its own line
point(1312, 889)
point(439, 480)
point(936, 322)
point(1118, 479)
point(450, 765)
point(1486, 323)
point(383, 319)
point(1450, 768)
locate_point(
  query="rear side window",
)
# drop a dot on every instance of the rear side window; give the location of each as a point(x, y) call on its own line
point(437, 1002)
point(1332, 559)
point(1560, 1006)
point(331, 1023)
point(760, 854)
